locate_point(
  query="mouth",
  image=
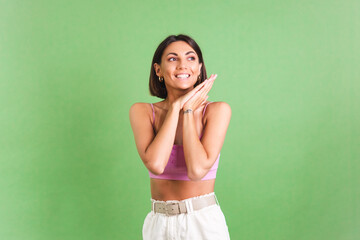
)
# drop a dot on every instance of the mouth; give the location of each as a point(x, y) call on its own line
point(182, 76)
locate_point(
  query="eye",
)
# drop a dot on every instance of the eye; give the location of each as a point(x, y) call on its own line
point(191, 58)
point(172, 59)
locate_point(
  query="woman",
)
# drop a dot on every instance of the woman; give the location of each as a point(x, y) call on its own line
point(179, 141)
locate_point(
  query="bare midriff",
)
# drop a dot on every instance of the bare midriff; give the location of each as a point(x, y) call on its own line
point(165, 190)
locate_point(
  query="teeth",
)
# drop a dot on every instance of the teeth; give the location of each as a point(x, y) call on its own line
point(183, 76)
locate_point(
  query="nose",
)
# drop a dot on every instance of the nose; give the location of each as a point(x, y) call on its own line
point(181, 64)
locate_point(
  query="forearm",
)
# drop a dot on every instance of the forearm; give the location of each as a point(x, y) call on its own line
point(158, 152)
point(195, 155)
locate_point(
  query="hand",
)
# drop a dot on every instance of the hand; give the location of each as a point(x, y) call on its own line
point(200, 96)
point(179, 103)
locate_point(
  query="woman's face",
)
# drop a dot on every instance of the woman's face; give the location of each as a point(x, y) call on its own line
point(179, 66)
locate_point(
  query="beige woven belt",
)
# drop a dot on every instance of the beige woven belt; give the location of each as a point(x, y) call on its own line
point(173, 208)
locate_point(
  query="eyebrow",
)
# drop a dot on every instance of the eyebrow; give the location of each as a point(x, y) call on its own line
point(185, 53)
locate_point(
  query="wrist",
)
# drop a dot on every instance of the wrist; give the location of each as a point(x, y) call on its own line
point(188, 111)
point(175, 107)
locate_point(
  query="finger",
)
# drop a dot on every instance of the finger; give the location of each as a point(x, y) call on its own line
point(211, 80)
point(208, 87)
point(198, 97)
point(201, 84)
point(205, 99)
point(202, 93)
point(212, 77)
point(198, 87)
point(201, 87)
point(205, 91)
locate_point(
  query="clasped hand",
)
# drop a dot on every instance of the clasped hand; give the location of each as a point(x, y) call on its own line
point(198, 96)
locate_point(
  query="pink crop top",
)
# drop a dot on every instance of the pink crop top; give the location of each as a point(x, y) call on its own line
point(176, 166)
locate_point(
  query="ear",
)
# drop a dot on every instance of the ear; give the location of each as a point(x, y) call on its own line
point(157, 69)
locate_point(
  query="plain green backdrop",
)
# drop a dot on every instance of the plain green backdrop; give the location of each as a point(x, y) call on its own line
point(70, 70)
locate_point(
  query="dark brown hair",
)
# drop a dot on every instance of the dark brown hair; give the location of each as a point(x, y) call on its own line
point(158, 88)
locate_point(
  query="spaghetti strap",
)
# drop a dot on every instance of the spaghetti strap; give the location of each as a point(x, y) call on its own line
point(205, 108)
point(153, 114)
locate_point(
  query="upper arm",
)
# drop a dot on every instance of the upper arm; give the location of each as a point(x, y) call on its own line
point(141, 124)
point(217, 119)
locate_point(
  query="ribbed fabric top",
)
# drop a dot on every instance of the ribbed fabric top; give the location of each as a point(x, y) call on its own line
point(176, 167)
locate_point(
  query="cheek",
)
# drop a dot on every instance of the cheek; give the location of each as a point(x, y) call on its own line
point(165, 70)
point(169, 71)
point(196, 68)
point(168, 67)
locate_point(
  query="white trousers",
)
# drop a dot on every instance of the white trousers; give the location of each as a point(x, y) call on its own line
point(207, 223)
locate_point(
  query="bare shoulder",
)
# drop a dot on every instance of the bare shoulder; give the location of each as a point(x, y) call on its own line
point(140, 111)
point(219, 108)
point(217, 112)
point(139, 107)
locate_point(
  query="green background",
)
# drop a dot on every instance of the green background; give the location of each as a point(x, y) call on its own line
point(70, 70)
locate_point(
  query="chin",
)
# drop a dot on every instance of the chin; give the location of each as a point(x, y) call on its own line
point(186, 86)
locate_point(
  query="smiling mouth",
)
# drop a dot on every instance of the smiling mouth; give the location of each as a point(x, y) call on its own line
point(182, 76)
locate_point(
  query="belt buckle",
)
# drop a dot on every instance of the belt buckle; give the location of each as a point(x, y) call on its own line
point(168, 207)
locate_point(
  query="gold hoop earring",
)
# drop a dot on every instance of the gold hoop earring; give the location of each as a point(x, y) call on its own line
point(161, 79)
